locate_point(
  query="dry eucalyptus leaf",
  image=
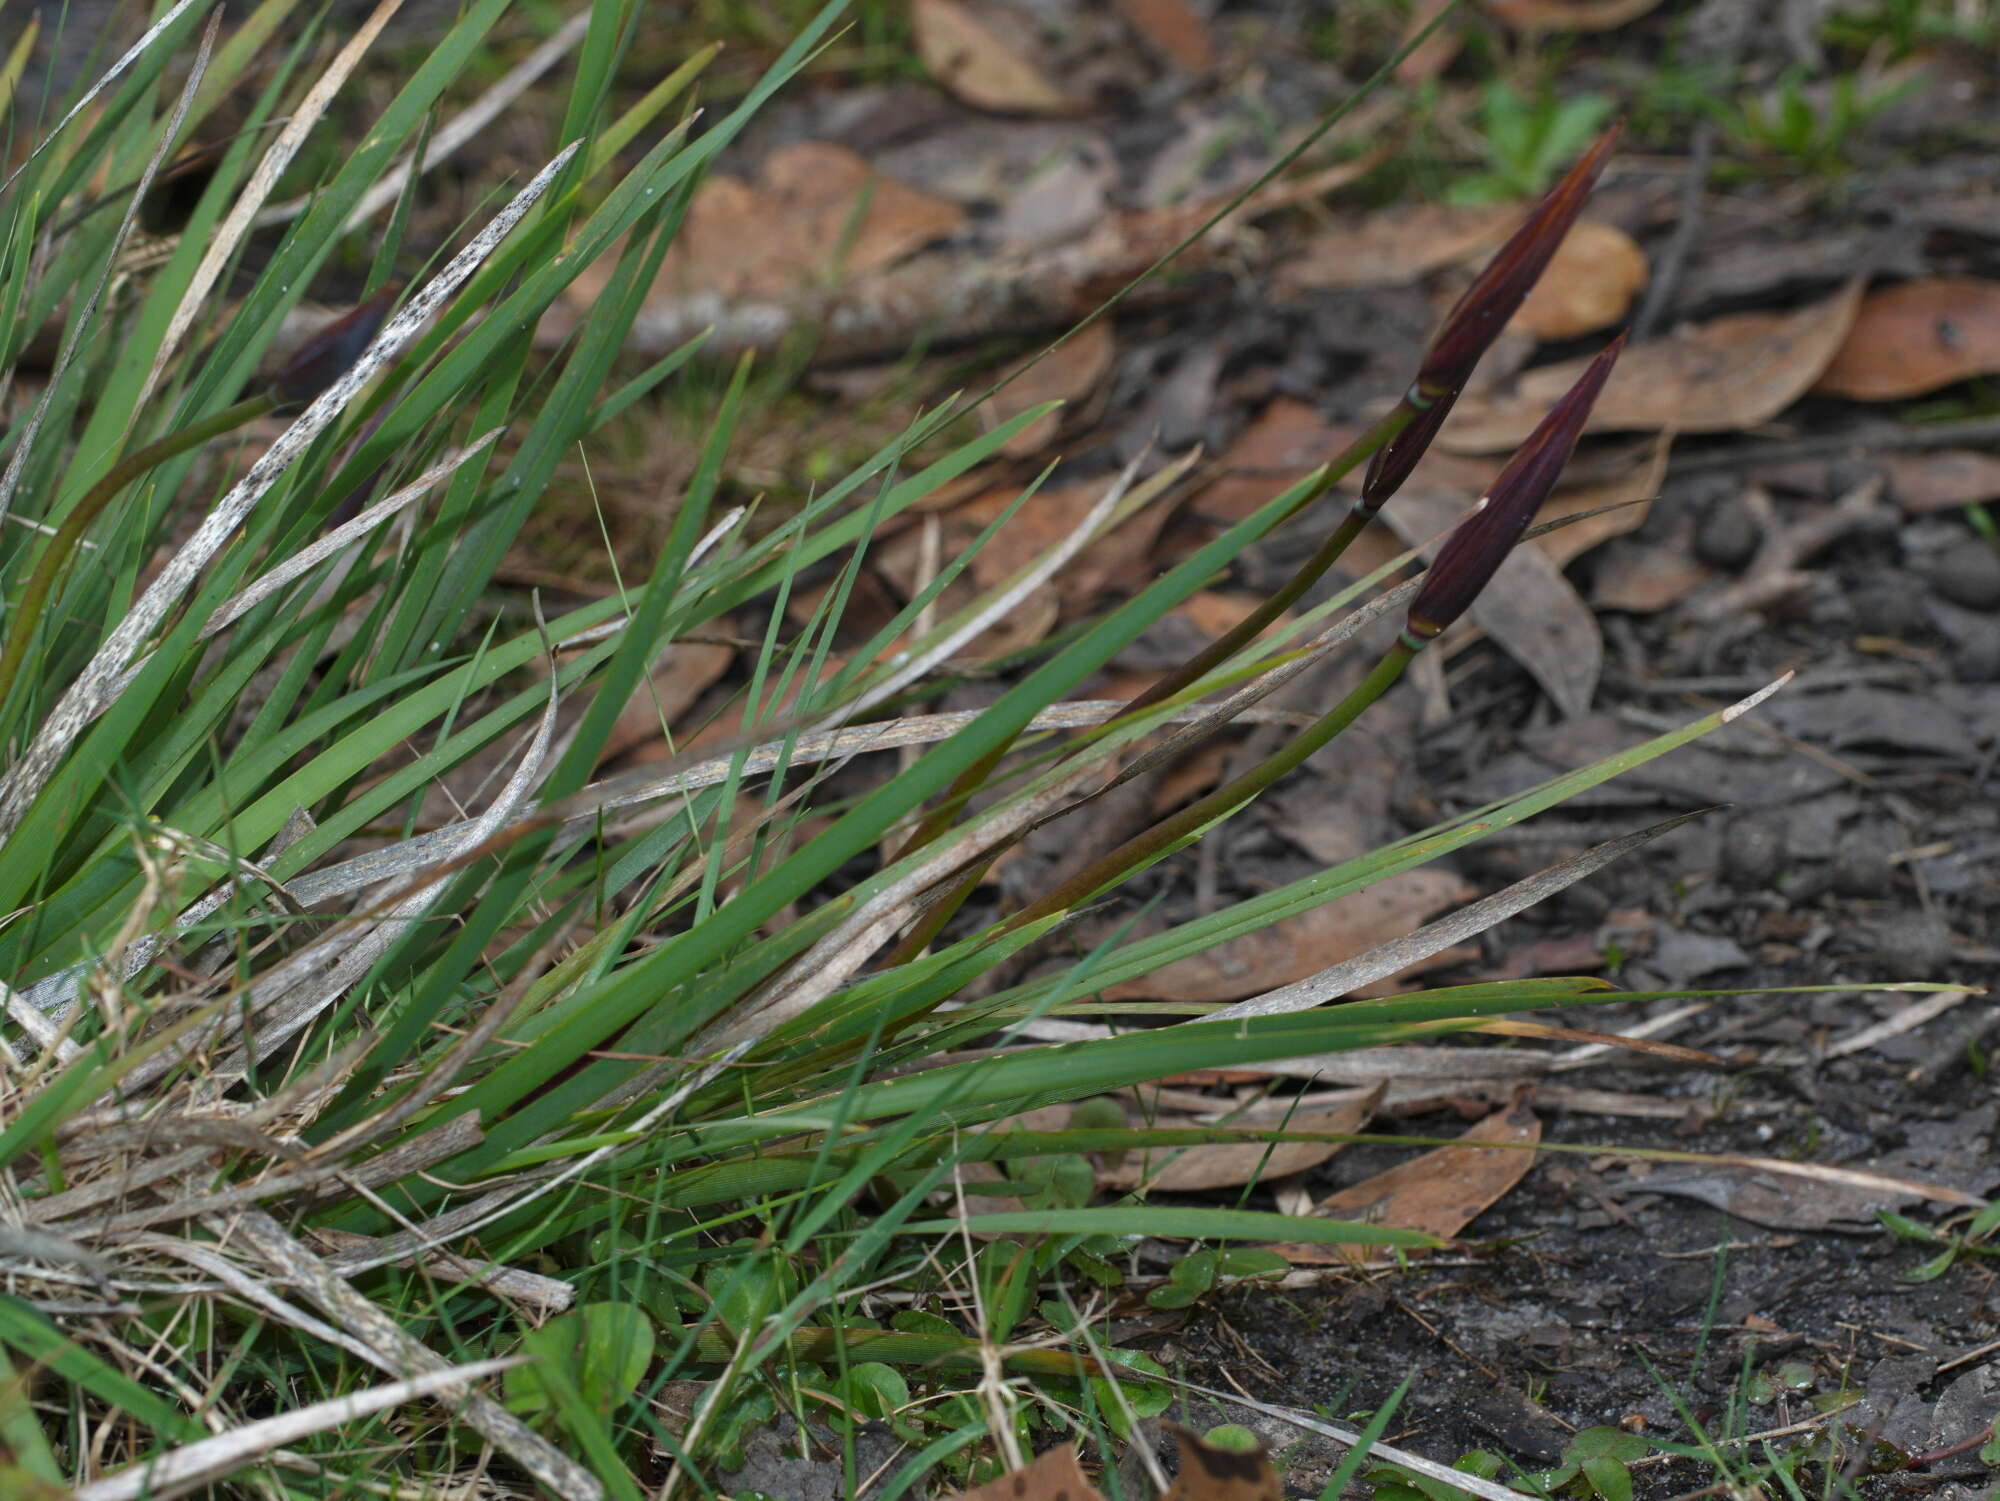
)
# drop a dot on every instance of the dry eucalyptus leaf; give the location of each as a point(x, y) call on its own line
point(968, 49)
point(1590, 284)
point(1295, 947)
point(1067, 373)
point(816, 211)
point(1287, 440)
point(1209, 1472)
point(1720, 377)
point(682, 674)
point(1914, 338)
point(1622, 505)
point(1054, 1476)
point(1568, 15)
point(1232, 1164)
point(1044, 520)
point(1398, 247)
point(1941, 480)
point(1442, 1191)
point(1175, 28)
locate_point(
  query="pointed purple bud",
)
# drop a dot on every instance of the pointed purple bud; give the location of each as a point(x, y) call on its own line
point(329, 354)
point(1495, 295)
point(1473, 554)
point(1395, 459)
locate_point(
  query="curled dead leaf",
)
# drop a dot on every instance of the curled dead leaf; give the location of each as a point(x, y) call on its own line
point(970, 51)
point(1211, 1472)
point(1054, 1476)
point(1590, 284)
point(1914, 338)
point(1442, 1191)
point(1721, 377)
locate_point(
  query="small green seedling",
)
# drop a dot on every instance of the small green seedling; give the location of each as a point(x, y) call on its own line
point(602, 1349)
point(1194, 1275)
point(1528, 141)
point(1977, 1239)
point(1594, 1465)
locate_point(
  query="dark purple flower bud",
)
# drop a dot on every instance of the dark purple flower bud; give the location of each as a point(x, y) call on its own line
point(1473, 554)
point(329, 354)
point(1495, 295)
point(1395, 459)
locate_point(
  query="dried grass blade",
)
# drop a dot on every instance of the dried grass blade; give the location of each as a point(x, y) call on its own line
point(243, 212)
point(398, 1353)
point(131, 55)
point(211, 1459)
point(92, 691)
point(1433, 938)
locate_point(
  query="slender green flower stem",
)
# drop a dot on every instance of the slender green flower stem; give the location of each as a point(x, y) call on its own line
point(1310, 572)
point(941, 817)
point(1193, 670)
point(28, 609)
point(1164, 835)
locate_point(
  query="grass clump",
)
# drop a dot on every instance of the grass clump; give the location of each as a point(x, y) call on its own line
point(382, 1078)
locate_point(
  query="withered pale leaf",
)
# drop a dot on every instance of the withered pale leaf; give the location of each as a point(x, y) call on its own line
point(1397, 247)
point(1232, 1164)
point(1568, 15)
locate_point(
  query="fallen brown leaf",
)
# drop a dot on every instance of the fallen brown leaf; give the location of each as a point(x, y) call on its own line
point(1622, 504)
point(1916, 337)
point(1590, 284)
point(1067, 373)
point(1210, 1472)
point(681, 675)
point(1568, 15)
point(1721, 377)
point(968, 49)
point(1175, 28)
point(1397, 247)
point(1045, 519)
point(1939, 481)
point(1054, 1476)
point(1232, 1164)
point(1442, 1191)
point(1288, 440)
point(816, 211)
point(1304, 945)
